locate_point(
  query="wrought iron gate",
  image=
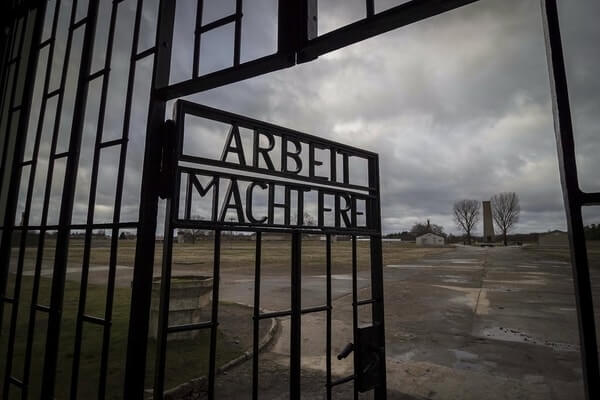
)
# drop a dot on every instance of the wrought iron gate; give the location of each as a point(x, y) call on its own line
point(181, 174)
point(31, 32)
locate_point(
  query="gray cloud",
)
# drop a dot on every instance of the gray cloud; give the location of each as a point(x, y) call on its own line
point(457, 106)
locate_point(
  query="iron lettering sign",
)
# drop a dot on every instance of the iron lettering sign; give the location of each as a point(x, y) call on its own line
point(257, 175)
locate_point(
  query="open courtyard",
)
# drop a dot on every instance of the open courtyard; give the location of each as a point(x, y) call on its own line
point(461, 322)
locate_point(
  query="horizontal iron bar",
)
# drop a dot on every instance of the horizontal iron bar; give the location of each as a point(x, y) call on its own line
point(15, 381)
point(220, 22)
point(53, 93)
point(341, 381)
point(293, 179)
point(330, 189)
point(16, 108)
point(287, 313)
point(274, 314)
point(107, 225)
point(8, 300)
point(145, 53)
point(110, 143)
point(365, 302)
point(79, 23)
point(590, 199)
point(46, 42)
point(26, 163)
point(60, 155)
point(95, 320)
point(190, 327)
point(98, 74)
point(39, 307)
point(200, 110)
point(385, 21)
point(226, 76)
point(314, 309)
point(234, 226)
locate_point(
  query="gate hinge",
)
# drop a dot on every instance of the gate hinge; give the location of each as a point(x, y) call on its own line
point(168, 160)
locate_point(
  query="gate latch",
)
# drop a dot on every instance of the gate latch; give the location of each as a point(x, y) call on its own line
point(370, 357)
point(168, 160)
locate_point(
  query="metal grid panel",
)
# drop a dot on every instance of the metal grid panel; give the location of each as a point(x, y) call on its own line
point(73, 62)
point(172, 172)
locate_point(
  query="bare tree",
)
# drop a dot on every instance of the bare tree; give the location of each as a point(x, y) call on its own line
point(505, 211)
point(466, 216)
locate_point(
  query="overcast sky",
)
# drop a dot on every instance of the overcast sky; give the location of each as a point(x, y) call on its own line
point(457, 106)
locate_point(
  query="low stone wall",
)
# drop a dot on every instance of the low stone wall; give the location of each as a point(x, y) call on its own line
point(189, 303)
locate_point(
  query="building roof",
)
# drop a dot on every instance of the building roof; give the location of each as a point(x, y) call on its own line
point(430, 234)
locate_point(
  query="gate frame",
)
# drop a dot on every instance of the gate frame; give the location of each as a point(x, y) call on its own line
point(176, 218)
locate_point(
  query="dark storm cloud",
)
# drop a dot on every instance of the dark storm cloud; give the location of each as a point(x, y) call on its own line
point(457, 106)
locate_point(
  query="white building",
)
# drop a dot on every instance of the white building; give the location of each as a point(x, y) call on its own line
point(430, 239)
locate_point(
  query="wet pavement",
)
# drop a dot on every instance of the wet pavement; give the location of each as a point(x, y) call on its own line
point(493, 323)
point(472, 323)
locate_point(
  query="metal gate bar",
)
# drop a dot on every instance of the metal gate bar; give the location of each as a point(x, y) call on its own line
point(9, 379)
point(32, 172)
point(37, 16)
point(9, 217)
point(354, 313)
point(295, 315)
point(68, 195)
point(328, 332)
point(574, 199)
point(255, 315)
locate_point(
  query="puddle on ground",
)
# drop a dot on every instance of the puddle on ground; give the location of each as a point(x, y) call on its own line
point(466, 360)
point(454, 279)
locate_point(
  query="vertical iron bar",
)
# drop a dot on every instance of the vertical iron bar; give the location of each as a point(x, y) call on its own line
point(32, 173)
point(197, 38)
point(329, 312)
point(30, 76)
point(165, 297)
point(50, 167)
point(377, 308)
point(295, 334)
point(12, 197)
point(370, 8)
point(7, 38)
point(66, 209)
point(238, 33)
point(355, 314)
point(118, 201)
point(91, 206)
point(13, 91)
point(572, 197)
point(141, 292)
point(215, 316)
point(257, 262)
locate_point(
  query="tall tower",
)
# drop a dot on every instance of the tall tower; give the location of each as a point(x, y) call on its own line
point(488, 223)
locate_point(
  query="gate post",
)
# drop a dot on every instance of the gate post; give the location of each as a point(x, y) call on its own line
point(573, 199)
point(141, 288)
point(377, 309)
